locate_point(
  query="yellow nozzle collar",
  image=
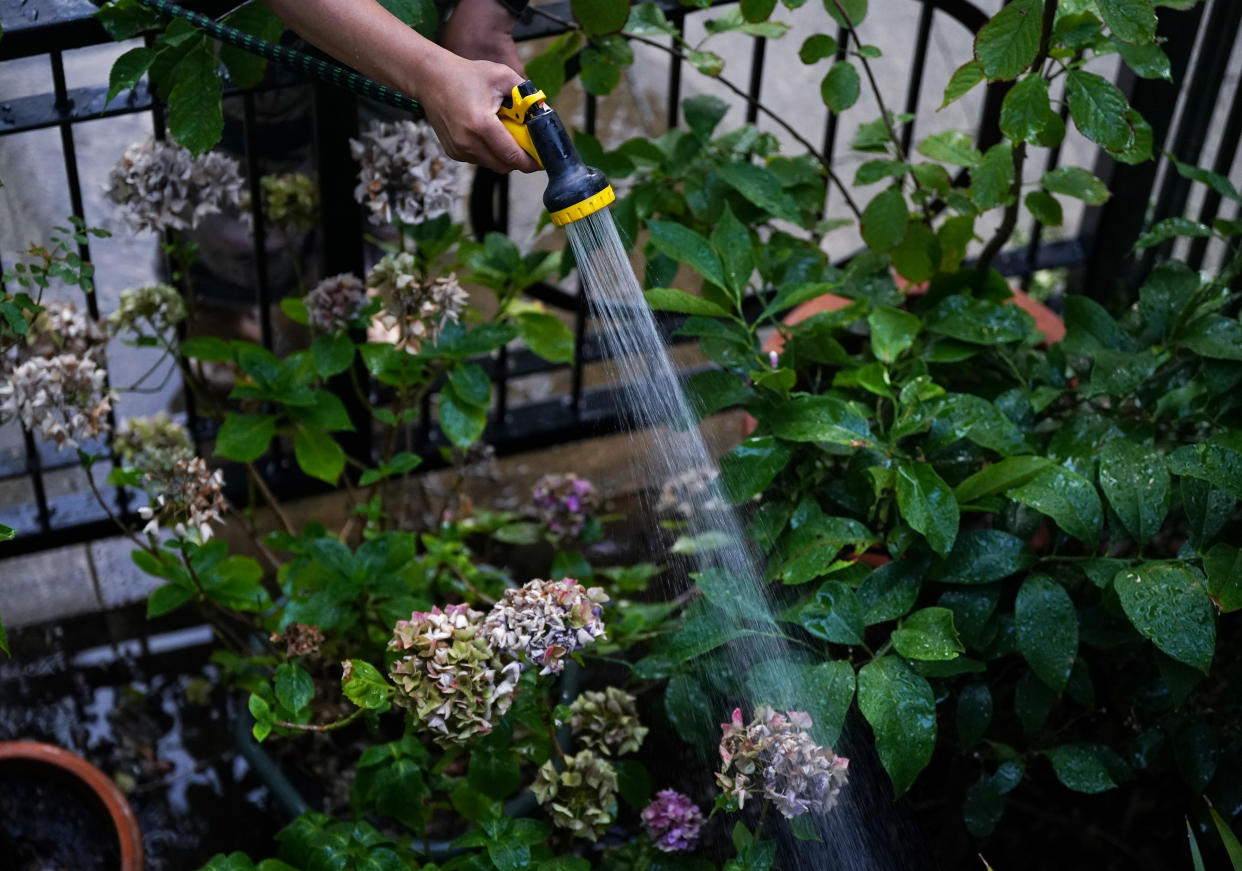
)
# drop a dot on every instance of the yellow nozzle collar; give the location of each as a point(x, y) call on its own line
point(589, 206)
point(513, 112)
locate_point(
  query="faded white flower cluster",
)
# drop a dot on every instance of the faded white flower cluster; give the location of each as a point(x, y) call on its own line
point(692, 493)
point(334, 304)
point(607, 722)
point(290, 201)
point(190, 497)
point(403, 173)
point(582, 798)
point(62, 398)
point(154, 444)
point(775, 756)
point(158, 305)
point(63, 328)
point(159, 185)
point(418, 308)
point(543, 622)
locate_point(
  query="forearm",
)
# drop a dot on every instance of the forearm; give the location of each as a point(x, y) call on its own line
point(366, 36)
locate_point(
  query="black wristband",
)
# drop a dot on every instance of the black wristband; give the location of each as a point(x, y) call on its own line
point(514, 7)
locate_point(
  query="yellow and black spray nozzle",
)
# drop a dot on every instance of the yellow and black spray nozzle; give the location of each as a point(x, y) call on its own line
point(575, 190)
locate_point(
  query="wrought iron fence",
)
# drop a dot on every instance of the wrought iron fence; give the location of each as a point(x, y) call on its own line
point(1200, 43)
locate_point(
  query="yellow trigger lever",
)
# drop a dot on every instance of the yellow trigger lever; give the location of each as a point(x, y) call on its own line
point(514, 112)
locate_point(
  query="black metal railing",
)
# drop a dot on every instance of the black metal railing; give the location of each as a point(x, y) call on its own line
point(1199, 43)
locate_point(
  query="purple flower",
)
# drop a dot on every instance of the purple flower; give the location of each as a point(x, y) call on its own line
point(673, 822)
point(563, 501)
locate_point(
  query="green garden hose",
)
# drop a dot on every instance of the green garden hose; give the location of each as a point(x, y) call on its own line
point(305, 63)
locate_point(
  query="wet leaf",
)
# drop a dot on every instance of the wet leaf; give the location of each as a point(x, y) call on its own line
point(1168, 603)
point(1046, 624)
point(901, 709)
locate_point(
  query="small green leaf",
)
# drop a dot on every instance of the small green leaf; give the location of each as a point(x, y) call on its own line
point(547, 336)
point(963, 79)
point(1074, 181)
point(840, 88)
point(817, 47)
point(209, 348)
point(332, 353)
point(670, 299)
point(601, 16)
point(750, 467)
point(1047, 629)
point(833, 614)
point(919, 254)
point(849, 13)
point(761, 186)
point(891, 590)
point(1045, 208)
point(1129, 20)
point(884, 220)
point(928, 634)
point(462, 422)
point(470, 384)
point(1169, 604)
point(1099, 110)
point(892, 331)
point(1008, 43)
point(819, 419)
point(195, 114)
point(1067, 498)
point(1008, 473)
point(1026, 113)
point(951, 146)
point(901, 708)
point(294, 687)
point(318, 454)
point(1080, 768)
point(927, 504)
point(1172, 228)
point(1136, 481)
point(991, 180)
point(1223, 567)
point(363, 685)
point(245, 437)
point(128, 70)
point(1215, 336)
point(164, 599)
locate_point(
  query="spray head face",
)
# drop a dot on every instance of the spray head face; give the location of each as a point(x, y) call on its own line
point(575, 190)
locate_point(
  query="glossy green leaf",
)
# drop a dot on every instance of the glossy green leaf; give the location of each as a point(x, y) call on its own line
point(998, 477)
point(1045, 208)
point(928, 634)
point(1080, 768)
point(363, 685)
point(1135, 479)
point(1165, 293)
point(927, 504)
point(991, 180)
point(750, 467)
point(951, 146)
point(318, 454)
point(732, 242)
point(817, 47)
point(128, 70)
point(1129, 20)
point(901, 709)
point(1215, 336)
point(963, 79)
point(1046, 624)
point(840, 87)
point(819, 419)
point(195, 116)
point(332, 353)
point(847, 13)
point(918, 255)
point(891, 590)
point(892, 331)
point(686, 246)
point(1074, 181)
point(162, 600)
point(974, 714)
point(245, 437)
point(980, 556)
point(1066, 497)
point(833, 614)
point(759, 185)
point(294, 687)
point(601, 16)
point(1172, 228)
point(1008, 43)
point(979, 321)
point(462, 422)
point(1218, 464)
point(547, 336)
point(884, 220)
point(1223, 567)
point(1099, 110)
point(670, 299)
point(1169, 604)
point(1027, 114)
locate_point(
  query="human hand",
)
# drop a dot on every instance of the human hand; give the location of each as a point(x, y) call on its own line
point(461, 99)
point(482, 30)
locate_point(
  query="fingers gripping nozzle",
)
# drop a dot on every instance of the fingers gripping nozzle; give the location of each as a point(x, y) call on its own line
point(575, 190)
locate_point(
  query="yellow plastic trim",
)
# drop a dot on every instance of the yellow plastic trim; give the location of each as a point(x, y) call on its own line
point(514, 119)
point(589, 206)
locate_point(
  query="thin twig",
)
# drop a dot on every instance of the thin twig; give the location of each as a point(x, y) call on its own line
point(129, 533)
point(270, 497)
point(320, 727)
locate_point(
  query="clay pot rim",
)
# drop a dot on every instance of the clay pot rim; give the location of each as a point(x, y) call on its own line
point(124, 822)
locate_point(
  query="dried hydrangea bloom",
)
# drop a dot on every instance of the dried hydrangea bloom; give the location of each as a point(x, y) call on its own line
point(563, 502)
point(159, 185)
point(62, 328)
point(158, 307)
point(543, 622)
point(672, 822)
point(334, 304)
point(403, 173)
point(63, 398)
point(299, 639)
point(774, 756)
point(449, 676)
point(290, 201)
point(582, 799)
point(690, 494)
point(607, 722)
point(153, 444)
point(189, 498)
point(418, 308)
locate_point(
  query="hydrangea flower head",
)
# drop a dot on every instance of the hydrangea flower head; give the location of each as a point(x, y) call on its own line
point(582, 799)
point(543, 622)
point(290, 201)
point(563, 502)
point(419, 308)
point(334, 304)
point(774, 756)
point(403, 173)
point(62, 328)
point(153, 444)
point(607, 722)
point(672, 822)
point(64, 398)
point(159, 185)
point(155, 306)
point(190, 496)
point(449, 676)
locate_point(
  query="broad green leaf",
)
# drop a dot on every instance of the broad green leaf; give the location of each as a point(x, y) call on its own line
point(1080, 768)
point(1215, 336)
point(1045, 208)
point(163, 600)
point(761, 186)
point(1169, 604)
point(1218, 464)
point(991, 180)
point(757, 10)
point(928, 634)
point(1047, 629)
point(1074, 181)
point(332, 353)
point(1217, 182)
point(979, 321)
point(294, 687)
point(974, 714)
point(1172, 228)
point(927, 504)
point(1008, 43)
point(847, 13)
point(892, 331)
point(598, 74)
point(1136, 481)
point(128, 70)
point(318, 454)
point(670, 299)
point(1165, 293)
point(884, 220)
point(1223, 567)
point(918, 255)
point(462, 422)
point(1207, 508)
point(980, 556)
point(750, 467)
point(1148, 61)
point(819, 419)
point(817, 47)
point(1099, 110)
point(547, 336)
point(951, 146)
point(891, 590)
point(901, 709)
point(1119, 373)
point(833, 614)
point(1066, 497)
point(1129, 20)
point(195, 116)
point(494, 771)
point(1027, 115)
point(363, 685)
point(686, 246)
point(828, 690)
point(1007, 474)
point(246, 68)
point(601, 16)
point(963, 79)
point(732, 242)
point(244, 437)
point(648, 19)
point(839, 89)
point(210, 348)
point(471, 384)
point(1140, 149)
point(712, 391)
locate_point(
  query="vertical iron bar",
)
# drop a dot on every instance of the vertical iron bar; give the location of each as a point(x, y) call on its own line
point(673, 109)
point(263, 296)
point(34, 466)
point(756, 79)
point(830, 126)
point(1223, 165)
point(916, 72)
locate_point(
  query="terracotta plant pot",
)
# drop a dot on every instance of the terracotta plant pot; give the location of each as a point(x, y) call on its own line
point(60, 762)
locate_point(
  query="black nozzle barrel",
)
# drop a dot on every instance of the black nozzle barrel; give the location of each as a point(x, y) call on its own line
point(570, 181)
